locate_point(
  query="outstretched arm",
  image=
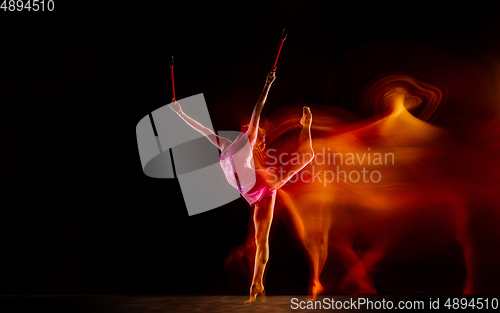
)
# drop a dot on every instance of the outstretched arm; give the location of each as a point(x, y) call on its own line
point(216, 140)
point(254, 121)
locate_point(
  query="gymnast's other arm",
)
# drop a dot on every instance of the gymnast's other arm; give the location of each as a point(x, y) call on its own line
point(216, 140)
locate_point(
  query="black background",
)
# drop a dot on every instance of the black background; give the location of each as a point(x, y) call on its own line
point(78, 216)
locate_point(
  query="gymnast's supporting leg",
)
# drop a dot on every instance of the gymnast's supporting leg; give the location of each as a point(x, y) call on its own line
point(263, 216)
point(263, 213)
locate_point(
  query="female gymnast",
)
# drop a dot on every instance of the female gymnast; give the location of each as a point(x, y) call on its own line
point(257, 184)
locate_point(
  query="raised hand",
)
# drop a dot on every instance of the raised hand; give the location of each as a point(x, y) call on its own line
point(271, 77)
point(175, 106)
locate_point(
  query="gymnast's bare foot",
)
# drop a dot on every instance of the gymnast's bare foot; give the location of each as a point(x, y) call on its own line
point(254, 291)
point(306, 116)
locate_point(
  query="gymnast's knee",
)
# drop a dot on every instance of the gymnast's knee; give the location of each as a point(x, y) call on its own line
point(261, 240)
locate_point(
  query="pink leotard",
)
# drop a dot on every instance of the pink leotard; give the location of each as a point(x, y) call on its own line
point(237, 157)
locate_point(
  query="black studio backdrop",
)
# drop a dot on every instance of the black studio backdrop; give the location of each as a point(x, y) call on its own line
point(78, 216)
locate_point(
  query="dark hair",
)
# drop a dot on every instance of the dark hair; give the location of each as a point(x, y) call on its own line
point(261, 134)
point(258, 151)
